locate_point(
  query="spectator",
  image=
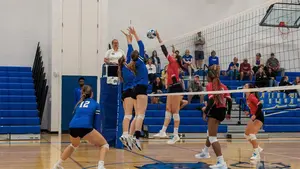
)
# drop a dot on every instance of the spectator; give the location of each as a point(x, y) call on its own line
point(77, 92)
point(151, 71)
point(157, 87)
point(156, 61)
point(297, 81)
point(274, 65)
point(187, 60)
point(285, 82)
point(271, 76)
point(213, 61)
point(195, 86)
point(146, 57)
point(233, 69)
point(112, 55)
point(245, 70)
point(261, 79)
point(199, 52)
point(257, 63)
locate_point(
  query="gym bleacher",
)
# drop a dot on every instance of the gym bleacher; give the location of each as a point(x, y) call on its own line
point(18, 106)
point(281, 111)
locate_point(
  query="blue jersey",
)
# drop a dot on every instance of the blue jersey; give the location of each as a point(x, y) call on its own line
point(187, 58)
point(213, 61)
point(84, 114)
point(128, 78)
point(141, 69)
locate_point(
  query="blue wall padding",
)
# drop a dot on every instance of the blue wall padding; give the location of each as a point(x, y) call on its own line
point(69, 83)
point(120, 116)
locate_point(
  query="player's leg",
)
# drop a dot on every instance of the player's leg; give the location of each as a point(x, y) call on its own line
point(175, 107)
point(252, 129)
point(95, 138)
point(204, 153)
point(128, 106)
point(168, 117)
point(183, 103)
point(132, 128)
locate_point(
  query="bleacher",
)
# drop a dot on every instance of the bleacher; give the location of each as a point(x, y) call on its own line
point(282, 113)
point(18, 107)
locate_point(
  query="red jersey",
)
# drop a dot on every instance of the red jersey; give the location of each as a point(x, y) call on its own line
point(223, 96)
point(252, 103)
point(173, 69)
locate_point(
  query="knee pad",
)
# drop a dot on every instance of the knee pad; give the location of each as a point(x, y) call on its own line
point(73, 146)
point(168, 115)
point(247, 137)
point(252, 137)
point(212, 139)
point(140, 116)
point(105, 146)
point(128, 117)
point(176, 117)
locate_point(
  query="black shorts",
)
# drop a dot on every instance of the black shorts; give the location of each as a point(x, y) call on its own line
point(199, 55)
point(128, 93)
point(175, 88)
point(140, 90)
point(261, 117)
point(217, 113)
point(80, 132)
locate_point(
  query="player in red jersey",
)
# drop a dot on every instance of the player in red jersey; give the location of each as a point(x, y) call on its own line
point(256, 122)
point(215, 110)
point(174, 86)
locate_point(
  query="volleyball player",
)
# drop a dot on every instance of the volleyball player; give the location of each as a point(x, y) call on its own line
point(215, 110)
point(256, 122)
point(81, 126)
point(174, 86)
point(140, 90)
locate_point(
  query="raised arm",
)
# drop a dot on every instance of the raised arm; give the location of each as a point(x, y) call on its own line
point(139, 41)
point(163, 47)
point(130, 48)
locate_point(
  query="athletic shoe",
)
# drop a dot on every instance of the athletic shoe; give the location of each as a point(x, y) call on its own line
point(124, 141)
point(101, 167)
point(219, 165)
point(202, 155)
point(260, 149)
point(255, 156)
point(174, 139)
point(137, 143)
point(161, 134)
point(58, 167)
point(129, 140)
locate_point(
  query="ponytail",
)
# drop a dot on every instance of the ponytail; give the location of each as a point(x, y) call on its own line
point(120, 66)
point(216, 85)
point(86, 92)
point(251, 86)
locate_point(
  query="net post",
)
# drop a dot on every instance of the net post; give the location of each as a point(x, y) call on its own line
point(240, 112)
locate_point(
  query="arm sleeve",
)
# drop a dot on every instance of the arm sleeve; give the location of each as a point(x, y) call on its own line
point(141, 48)
point(164, 50)
point(98, 109)
point(129, 51)
point(229, 105)
point(107, 54)
point(210, 104)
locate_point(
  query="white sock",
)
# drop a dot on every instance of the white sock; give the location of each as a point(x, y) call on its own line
point(59, 162)
point(164, 129)
point(101, 163)
point(256, 150)
point(175, 131)
point(220, 159)
point(205, 149)
point(125, 133)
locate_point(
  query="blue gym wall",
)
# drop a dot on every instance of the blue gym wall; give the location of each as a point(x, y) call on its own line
point(69, 83)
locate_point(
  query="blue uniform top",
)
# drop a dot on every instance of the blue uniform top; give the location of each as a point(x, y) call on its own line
point(232, 64)
point(128, 78)
point(187, 58)
point(84, 114)
point(77, 95)
point(141, 69)
point(213, 61)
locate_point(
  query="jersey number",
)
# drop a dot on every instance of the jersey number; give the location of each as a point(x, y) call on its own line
point(84, 104)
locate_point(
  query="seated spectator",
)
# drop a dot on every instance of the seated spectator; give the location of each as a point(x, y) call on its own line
point(156, 61)
point(271, 76)
point(233, 69)
point(151, 71)
point(285, 82)
point(195, 86)
point(274, 65)
point(261, 79)
point(187, 60)
point(245, 70)
point(257, 63)
point(157, 87)
point(146, 57)
point(213, 61)
point(297, 81)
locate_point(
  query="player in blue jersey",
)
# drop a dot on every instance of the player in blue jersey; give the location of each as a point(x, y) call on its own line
point(141, 81)
point(81, 126)
point(126, 73)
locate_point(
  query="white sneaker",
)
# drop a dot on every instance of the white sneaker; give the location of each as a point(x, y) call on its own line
point(137, 143)
point(260, 149)
point(219, 165)
point(101, 167)
point(123, 139)
point(58, 167)
point(161, 134)
point(174, 139)
point(129, 140)
point(255, 156)
point(202, 155)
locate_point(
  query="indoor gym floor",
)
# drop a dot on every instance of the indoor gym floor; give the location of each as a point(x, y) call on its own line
point(278, 153)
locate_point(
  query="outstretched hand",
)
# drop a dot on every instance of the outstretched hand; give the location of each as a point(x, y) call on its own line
point(128, 36)
point(157, 34)
point(132, 30)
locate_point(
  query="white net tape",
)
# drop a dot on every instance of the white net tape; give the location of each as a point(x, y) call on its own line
point(265, 89)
